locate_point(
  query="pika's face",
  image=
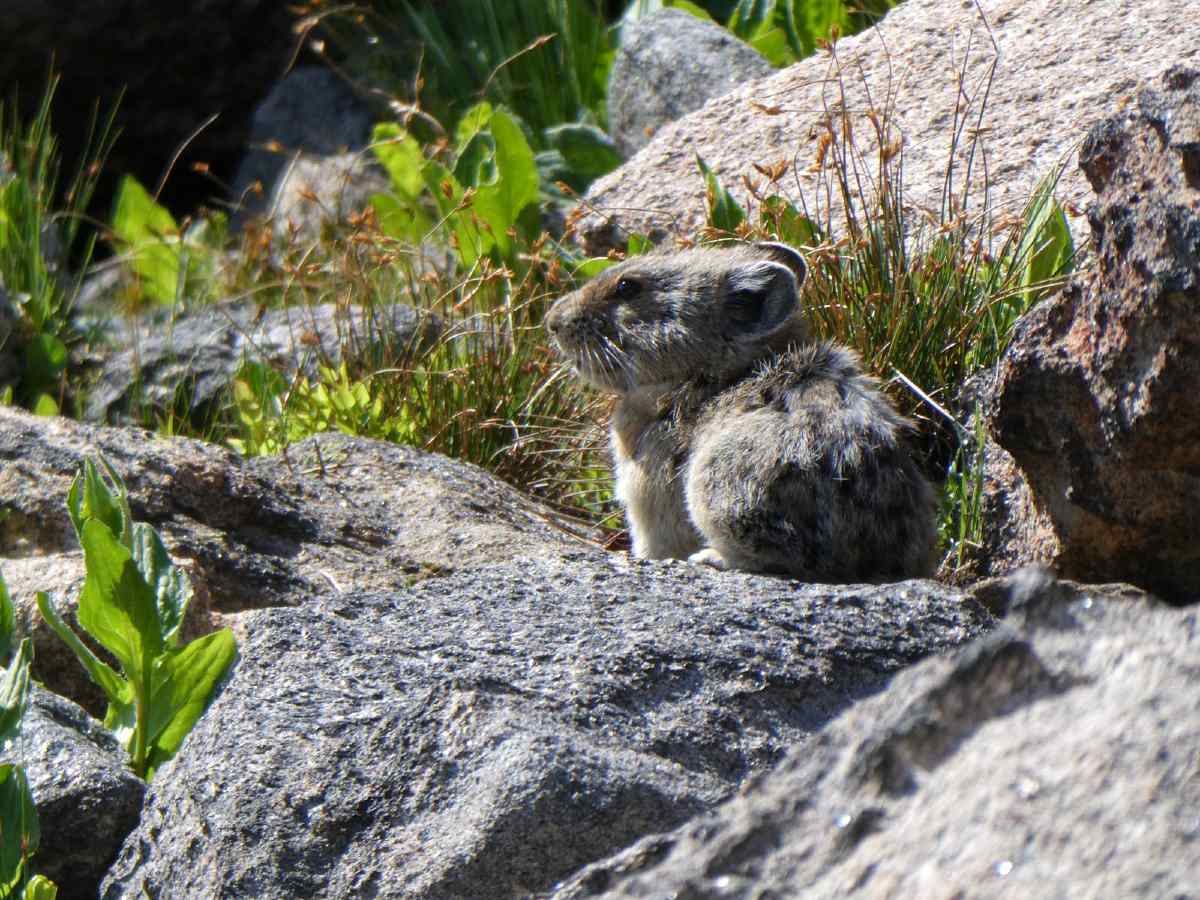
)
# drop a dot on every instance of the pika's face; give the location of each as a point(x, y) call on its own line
point(659, 320)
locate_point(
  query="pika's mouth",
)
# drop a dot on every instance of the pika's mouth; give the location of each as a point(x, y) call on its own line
point(601, 364)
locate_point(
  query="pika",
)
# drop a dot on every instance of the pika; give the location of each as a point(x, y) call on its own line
point(738, 441)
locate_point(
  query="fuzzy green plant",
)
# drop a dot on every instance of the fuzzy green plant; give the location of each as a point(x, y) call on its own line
point(41, 230)
point(133, 604)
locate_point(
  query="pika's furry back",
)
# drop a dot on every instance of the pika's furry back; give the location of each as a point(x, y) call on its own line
point(737, 441)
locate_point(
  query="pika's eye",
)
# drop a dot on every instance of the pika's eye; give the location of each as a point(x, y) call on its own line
point(626, 288)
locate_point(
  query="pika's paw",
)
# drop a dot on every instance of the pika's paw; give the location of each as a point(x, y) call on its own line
point(709, 557)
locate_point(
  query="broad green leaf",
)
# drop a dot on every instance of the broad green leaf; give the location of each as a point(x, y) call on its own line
point(472, 241)
point(751, 16)
point(150, 234)
point(401, 218)
point(472, 122)
point(500, 204)
point(723, 211)
point(788, 224)
point(401, 157)
point(116, 688)
point(586, 149)
point(590, 268)
point(8, 621)
point(14, 691)
point(170, 584)
point(184, 684)
point(40, 888)
point(18, 825)
point(476, 163)
point(117, 607)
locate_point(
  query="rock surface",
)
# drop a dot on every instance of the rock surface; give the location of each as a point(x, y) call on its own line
point(87, 798)
point(317, 192)
point(483, 734)
point(1054, 76)
point(311, 111)
point(199, 353)
point(668, 64)
point(1054, 756)
point(1098, 397)
point(336, 513)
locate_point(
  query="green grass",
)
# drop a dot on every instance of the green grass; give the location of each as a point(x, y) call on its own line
point(41, 236)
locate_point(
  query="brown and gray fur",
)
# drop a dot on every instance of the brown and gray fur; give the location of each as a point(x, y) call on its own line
point(738, 442)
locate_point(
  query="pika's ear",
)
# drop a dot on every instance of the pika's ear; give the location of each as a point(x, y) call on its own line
point(760, 295)
point(785, 255)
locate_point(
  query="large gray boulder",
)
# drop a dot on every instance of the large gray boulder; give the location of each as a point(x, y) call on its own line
point(1053, 757)
point(485, 733)
point(668, 64)
point(312, 112)
point(167, 359)
point(929, 68)
point(335, 513)
point(1098, 397)
point(87, 798)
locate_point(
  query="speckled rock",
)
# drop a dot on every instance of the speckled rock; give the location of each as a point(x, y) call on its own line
point(1058, 68)
point(87, 798)
point(336, 513)
point(483, 734)
point(1098, 397)
point(670, 63)
point(1055, 756)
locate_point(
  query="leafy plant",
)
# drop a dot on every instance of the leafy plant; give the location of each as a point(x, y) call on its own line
point(483, 203)
point(39, 232)
point(787, 30)
point(166, 259)
point(20, 831)
point(133, 604)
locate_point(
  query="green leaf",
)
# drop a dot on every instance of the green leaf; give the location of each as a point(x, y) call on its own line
point(723, 211)
point(8, 621)
point(698, 11)
point(184, 683)
point(18, 825)
point(590, 268)
point(1045, 250)
point(40, 888)
point(45, 405)
point(14, 691)
point(638, 244)
point(103, 497)
point(150, 234)
point(516, 186)
point(788, 224)
point(476, 163)
point(401, 157)
point(117, 607)
point(471, 123)
point(586, 149)
point(171, 586)
point(116, 689)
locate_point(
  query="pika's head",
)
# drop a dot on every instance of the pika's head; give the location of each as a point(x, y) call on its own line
point(659, 320)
